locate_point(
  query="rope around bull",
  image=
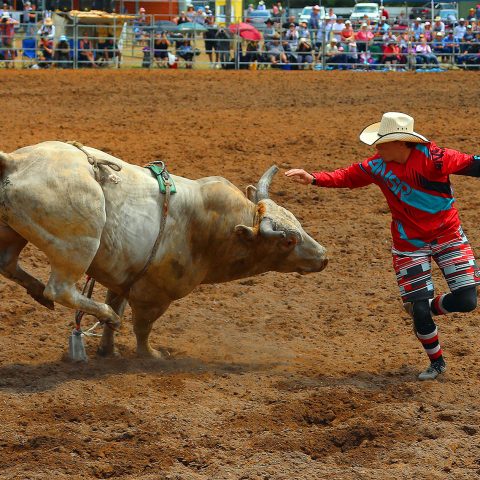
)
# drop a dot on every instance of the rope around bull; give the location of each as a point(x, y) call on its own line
point(95, 163)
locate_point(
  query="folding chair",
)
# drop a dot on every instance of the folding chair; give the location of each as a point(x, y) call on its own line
point(29, 51)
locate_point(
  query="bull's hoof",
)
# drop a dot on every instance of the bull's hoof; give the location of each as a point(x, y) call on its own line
point(43, 301)
point(149, 353)
point(106, 352)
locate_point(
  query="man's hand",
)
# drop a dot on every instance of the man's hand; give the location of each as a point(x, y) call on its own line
point(300, 176)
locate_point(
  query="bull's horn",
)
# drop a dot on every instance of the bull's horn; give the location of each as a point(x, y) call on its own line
point(266, 229)
point(264, 183)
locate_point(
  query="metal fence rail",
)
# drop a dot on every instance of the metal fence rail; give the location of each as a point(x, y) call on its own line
point(153, 41)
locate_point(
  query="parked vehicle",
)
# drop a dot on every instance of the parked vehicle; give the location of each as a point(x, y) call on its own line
point(306, 13)
point(372, 10)
point(258, 18)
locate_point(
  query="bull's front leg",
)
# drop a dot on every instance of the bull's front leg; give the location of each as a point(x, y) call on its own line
point(144, 316)
point(107, 343)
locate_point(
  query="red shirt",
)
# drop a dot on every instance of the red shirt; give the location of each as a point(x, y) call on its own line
point(418, 192)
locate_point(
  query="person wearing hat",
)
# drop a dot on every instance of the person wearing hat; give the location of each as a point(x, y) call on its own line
point(62, 54)
point(438, 25)
point(292, 36)
point(364, 37)
point(413, 174)
point(269, 31)
point(451, 46)
point(417, 28)
point(335, 58)
point(7, 34)
point(47, 30)
point(303, 31)
point(470, 60)
point(460, 30)
point(471, 14)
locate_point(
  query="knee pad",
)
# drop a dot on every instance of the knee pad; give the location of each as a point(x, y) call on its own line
point(422, 317)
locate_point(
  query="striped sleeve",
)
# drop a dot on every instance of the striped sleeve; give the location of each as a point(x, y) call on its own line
point(453, 162)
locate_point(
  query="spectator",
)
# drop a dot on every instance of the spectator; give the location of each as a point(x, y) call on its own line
point(47, 29)
point(391, 54)
point(363, 37)
point(276, 52)
point(269, 31)
point(290, 19)
point(46, 52)
point(324, 33)
point(350, 51)
point(337, 29)
point(450, 46)
point(160, 50)
point(314, 22)
point(470, 60)
point(182, 18)
point(109, 51)
point(32, 20)
point(86, 56)
point(331, 14)
point(427, 31)
point(460, 30)
point(208, 12)
point(384, 12)
point(389, 37)
point(305, 53)
point(291, 36)
point(62, 55)
point(210, 41)
point(186, 52)
point(261, 5)
point(471, 14)
point(438, 25)
point(303, 31)
point(334, 56)
point(253, 55)
point(347, 33)
point(468, 39)
point(223, 45)
point(424, 54)
point(250, 8)
point(7, 35)
point(190, 13)
point(417, 28)
point(437, 45)
point(381, 28)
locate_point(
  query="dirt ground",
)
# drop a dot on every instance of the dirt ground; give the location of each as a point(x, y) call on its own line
point(273, 377)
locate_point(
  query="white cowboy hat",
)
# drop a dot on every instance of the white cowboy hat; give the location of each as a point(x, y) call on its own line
point(394, 126)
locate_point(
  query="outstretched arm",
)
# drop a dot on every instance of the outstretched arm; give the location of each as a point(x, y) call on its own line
point(354, 176)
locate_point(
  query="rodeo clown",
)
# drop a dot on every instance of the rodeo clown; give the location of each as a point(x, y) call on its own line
point(413, 174)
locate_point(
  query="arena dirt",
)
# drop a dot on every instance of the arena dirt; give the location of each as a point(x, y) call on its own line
point(273, 377)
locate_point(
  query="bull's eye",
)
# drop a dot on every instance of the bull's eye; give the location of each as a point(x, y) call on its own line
point(289, 243)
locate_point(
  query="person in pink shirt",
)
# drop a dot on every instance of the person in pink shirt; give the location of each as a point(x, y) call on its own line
point(7, 32)
point(363, 37)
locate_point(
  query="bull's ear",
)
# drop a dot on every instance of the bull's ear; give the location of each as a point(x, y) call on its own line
point(251, 193)
point(245, 233)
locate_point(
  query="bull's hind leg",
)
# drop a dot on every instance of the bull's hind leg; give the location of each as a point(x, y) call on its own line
point(68, 266)
point(107, 343)
point(144, 316)
point(11, 244)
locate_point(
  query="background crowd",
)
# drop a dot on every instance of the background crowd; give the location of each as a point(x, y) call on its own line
point(330, 42)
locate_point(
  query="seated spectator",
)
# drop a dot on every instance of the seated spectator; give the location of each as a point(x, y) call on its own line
point(276, 52)
point(289, 52)
point(437, 44)
point(303, 31)
point(467, 40)
point(391, 55)
point(389, 37)
point(363, 37)
point(470, 60)
point(85, 52)
point(291, 36)
point(252, 53)
point(450, 46)
point(334, 55)
point(438, 25)
point(108, 51)
point(269, 31)
point(305, 53)
point(290, 19)
point(337, 29)
point(7, 35)
point(186, 52)
point(347, 33)
point(62, 55)
point(46, 52)
point(160, 50)
point(417, 28)
point(350, 51)
point(423, 53)
point(428, 32)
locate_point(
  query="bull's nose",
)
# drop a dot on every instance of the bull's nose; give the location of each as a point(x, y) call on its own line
point(325, 263)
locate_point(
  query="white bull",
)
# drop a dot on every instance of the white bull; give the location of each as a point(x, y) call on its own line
point(106, 225)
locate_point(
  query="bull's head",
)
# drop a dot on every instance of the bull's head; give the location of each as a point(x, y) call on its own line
point(294, 249)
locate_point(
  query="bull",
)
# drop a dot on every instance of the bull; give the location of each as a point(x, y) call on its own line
point(102, 217)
